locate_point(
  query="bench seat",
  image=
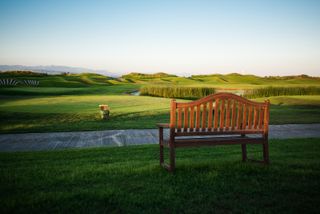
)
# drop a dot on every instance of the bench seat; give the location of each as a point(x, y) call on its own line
point(213, 141)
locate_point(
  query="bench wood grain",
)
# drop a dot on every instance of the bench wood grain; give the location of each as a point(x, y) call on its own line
point(218, 119)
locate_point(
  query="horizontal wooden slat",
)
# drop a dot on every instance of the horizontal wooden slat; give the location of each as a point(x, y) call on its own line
point(215, 142)
point(230, 132)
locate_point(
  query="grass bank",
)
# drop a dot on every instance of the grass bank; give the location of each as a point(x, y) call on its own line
point(130, 180)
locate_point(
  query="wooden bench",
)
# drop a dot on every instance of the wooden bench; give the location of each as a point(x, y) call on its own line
point(218, 119)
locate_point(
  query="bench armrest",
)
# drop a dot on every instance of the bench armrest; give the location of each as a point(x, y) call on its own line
point(163, 125)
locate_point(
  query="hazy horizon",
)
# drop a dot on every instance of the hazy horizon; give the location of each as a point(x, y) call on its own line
point(264, 38)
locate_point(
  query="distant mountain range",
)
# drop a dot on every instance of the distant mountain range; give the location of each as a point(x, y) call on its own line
point(55, 69)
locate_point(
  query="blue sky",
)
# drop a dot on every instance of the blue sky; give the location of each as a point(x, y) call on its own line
point(183, 37)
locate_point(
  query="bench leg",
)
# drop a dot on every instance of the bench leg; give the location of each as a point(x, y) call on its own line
point(161, 155)
point(161, 145)
point(172, 158)
point(266, 152)
point(244, 152)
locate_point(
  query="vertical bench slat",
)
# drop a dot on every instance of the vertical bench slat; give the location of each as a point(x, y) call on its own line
point(266, 118)
point(198, 118)
point(261, 117)
point(179, 119)
point(255, 117)
point(239, 116)
point(228, 115)
point(185, 117)
point(204, 116)
point(216, 107)
point(191, 118)
point(221, 125)
point(210, 116)
point(233, 124)
point(250, 117)
point(173, 106)
point(244, 121)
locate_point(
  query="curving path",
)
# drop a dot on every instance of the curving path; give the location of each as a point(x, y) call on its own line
point(63, 140)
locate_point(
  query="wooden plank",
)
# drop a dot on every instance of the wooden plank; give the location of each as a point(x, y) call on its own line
point(244, 117)
point(209, 142)
point(191, 119)
point(185, 117)
point(173, 107)
point(222, 107)
point(228, 115)
point(266, 119)
point(243, 112)
point(250, 117)
point(233, 124)
point(204, 116)
point(239, 115)
point(216, 109)
point(255, 117)
point(247, 131)
point(261, 118)
point(198, 118)
point(210, 116)
point(179, 119)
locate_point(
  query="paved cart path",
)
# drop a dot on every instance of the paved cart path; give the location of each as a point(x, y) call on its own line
point(62, 140)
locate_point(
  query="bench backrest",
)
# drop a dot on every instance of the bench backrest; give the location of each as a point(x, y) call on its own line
point(221, 113)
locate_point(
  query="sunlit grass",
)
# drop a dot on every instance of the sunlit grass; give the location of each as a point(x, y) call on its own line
point(76, 113)
point(293, 100)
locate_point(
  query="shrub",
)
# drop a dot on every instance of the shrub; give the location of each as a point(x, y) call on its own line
point(177, 92)
point(281, 91)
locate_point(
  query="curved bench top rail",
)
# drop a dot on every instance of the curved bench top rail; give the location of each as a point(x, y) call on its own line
point(222, 95)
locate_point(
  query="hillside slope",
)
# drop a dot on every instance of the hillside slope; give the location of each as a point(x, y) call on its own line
point(60, 80)
point(219, 81)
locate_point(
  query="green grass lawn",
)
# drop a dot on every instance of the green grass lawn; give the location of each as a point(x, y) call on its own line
point(130, 180)
point(294, 109)
point(68, 113)
point(80, 112)
point(70, 102)
point(57, 91)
